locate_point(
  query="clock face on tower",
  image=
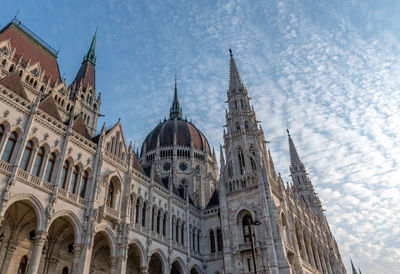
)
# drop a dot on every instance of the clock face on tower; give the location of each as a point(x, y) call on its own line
point(167, 166)
point(182, 166)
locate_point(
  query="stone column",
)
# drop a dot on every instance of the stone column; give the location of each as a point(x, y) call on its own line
point(311, 257)
point(303, 246)
point(37, 252)
point(323, 262)
point(76, 258)
point(317, 258)
point(8, 257)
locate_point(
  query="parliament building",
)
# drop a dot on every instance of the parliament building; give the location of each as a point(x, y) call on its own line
point(75, 196)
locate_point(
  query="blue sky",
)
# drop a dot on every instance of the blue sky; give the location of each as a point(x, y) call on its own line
point(327, 69)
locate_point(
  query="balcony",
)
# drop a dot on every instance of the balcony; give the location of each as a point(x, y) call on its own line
point(109, 213)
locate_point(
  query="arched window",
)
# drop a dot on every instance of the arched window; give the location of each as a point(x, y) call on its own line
point(194, 239)
point(50, 167)
point(198, 241)
point(241, 160)
point(110, 195)
point(26, 156)
point(219, 239)
point(158, 221)
point(11, 68)
point(144, 214)
point(246, 125)
point(177, 232)
point(237, 126)
point(2, 130)
point(23, 263)
point(164, 225)
point(212, 242)
point(74, 180)
point(85, 179)
point(152, 218)
point(246, 225)
point(9, 149)
point(64, 174)
point(65, 270)
point(137, 211)
point(37, 166)
point(183, 234)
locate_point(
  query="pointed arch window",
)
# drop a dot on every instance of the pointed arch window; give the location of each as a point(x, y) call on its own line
point(164, 225)
point(2, 130)
point(85, 179)
point(74, 180)
point(177, 232)
point(26, 156)
point(219, 240)
point(23, 263)
point(10, 146)
point(246, 223)
point(152, 218)
point(110, 195)
point(64, 174)
point(158, 221)
point(37, 166)
point(237, 126)
point(194, 239)
point(241, 161)
point(183, 234)
point(198, 241)
point(246, 125)
point(50, 167)
point(137, 211)
point(212, 242)
point(144, 214)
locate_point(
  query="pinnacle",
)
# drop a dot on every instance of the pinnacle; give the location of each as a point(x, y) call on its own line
point(175, 110)
point(235, 83)
point(295, 161)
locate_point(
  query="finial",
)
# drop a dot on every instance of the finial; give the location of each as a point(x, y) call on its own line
point(230, 52)
point(287, 130)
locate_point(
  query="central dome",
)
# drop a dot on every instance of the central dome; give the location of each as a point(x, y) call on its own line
point(186, 133)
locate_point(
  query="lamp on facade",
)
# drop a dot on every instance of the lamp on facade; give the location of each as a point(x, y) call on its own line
point(253, 252)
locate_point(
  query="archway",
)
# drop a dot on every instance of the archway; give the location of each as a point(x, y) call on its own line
point(18, 233)
point(176, 268)
point(101, 254)
point(155, 264)
point(58, 250)
point(134, 261)
point(194, 271)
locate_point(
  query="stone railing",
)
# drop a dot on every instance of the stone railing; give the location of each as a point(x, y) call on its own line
point(5, 166)
point(107, 212)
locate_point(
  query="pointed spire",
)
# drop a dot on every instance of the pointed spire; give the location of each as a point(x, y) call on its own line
point(175, 110)
point(295, 161)
point(235, 83)
point(90, 56)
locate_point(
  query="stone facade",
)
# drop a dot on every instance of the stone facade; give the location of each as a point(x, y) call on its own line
point(73, 201)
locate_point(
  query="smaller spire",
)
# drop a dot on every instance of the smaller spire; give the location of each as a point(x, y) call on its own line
point(175, 110)
point(354, 271)
point(235, 83)
point(90, 56)
point(295, 161)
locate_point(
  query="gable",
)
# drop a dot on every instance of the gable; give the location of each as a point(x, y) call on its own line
point(80, 127)
point(49, 106)
point(13, 83)
point(115, 141)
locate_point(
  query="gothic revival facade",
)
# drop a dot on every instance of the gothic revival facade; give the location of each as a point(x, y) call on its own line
point(74, 201)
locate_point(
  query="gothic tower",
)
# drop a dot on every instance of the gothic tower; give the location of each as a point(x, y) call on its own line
point(83, 90)
point(248, 212)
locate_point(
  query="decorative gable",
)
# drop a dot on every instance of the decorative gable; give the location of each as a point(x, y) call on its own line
point(80, 127)
point(115, 141)
point(48, 105)
point(5, 48)
point(13, 83)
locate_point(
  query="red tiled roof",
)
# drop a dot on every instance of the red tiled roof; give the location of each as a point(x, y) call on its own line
point(80, 127)
point(28, 47)
point(13, 82)
point(48, 105)
point(87, 73)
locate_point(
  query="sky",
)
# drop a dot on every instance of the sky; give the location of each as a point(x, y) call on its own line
point(328, 70)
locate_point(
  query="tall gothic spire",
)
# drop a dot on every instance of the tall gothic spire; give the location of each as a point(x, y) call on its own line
point(295, 162)
point(175, 110)
point(235, 83)
point(90, 56)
